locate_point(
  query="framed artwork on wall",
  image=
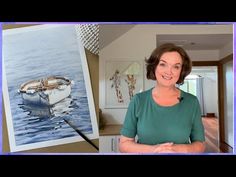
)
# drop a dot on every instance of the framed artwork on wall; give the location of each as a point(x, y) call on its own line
point(123, 80)
point(46, 84)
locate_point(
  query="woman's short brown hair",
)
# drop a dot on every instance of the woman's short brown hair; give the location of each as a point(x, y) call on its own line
point(154, 59)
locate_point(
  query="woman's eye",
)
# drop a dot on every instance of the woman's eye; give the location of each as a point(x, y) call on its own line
point(162, 64)
point(177, 67)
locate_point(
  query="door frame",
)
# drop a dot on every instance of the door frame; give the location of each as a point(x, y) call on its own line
point(224, 147)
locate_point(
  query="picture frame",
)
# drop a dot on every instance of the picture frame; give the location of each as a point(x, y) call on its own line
point(123, 79)
point(45, 82)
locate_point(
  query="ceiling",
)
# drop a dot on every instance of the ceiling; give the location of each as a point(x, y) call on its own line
point(108, 33)
point(197, 41)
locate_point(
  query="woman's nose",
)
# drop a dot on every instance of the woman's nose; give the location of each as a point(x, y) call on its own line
point(168, 70)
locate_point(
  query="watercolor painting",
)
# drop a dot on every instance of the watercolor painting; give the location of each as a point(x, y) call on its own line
point(45, 82)
point(123, 80)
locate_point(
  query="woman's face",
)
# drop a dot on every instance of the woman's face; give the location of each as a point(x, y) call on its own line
point(169, 68)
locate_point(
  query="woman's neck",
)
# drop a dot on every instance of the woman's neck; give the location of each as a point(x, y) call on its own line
point(166, 96)
point(161, 91)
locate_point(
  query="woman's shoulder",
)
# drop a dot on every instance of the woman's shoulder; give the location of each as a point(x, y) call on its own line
point(142, 95)
point(188, 96)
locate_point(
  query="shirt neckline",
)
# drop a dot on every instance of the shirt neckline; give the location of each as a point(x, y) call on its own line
point(172, 106)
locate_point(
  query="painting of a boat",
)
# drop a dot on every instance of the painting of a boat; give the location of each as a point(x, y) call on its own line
point(45, 91)
point(46, 80)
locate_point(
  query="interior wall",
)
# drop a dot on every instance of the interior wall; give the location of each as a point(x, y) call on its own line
point(228, 103)
point(210, 88)
point(77, 147)
point(211, 93)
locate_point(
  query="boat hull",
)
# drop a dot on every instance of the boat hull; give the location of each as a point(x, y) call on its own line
point(47, 98)
point(36, 93)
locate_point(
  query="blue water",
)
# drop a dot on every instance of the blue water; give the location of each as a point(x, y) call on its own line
point(37, 54)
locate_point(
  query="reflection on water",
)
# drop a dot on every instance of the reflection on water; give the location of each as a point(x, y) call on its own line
point(60, 109)
point(46, 122)
point(37, 111)
point(43, 123)
point(57, 111)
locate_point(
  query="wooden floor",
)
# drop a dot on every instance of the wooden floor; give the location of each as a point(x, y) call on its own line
point(211, 126)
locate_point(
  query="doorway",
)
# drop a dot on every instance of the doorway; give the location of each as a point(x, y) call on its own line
point(203, 83)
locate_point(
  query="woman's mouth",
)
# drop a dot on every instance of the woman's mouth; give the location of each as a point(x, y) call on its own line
point(167, 77)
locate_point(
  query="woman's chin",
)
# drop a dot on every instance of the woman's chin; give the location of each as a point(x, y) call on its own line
point(164, 84)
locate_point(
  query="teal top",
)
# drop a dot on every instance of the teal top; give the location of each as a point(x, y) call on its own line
point(155, 124)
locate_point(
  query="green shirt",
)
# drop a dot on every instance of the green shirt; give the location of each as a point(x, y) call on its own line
point(155, 124)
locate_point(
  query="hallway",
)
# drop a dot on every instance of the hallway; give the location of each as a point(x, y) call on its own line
point(211, 126)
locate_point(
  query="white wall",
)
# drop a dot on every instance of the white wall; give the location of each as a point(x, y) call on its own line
point(228, 107)
point(210, 93)
point(210, 88)
point(137, 44)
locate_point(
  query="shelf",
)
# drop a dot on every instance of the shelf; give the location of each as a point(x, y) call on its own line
point(110, 130)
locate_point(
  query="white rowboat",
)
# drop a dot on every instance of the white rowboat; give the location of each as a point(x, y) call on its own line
point(46, 91)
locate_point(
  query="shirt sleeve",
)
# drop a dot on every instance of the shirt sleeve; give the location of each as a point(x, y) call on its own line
point(129, 128)
point(197, 133)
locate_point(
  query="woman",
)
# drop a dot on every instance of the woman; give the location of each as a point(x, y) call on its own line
point(164, 118)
